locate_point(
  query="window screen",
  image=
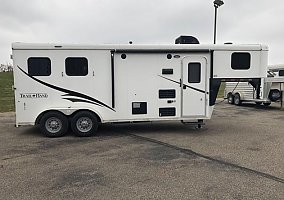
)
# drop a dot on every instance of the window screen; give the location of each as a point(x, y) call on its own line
point(39, 66)
point(76, 66)
point(281, 72)
point(240, 61)
point(194, 72)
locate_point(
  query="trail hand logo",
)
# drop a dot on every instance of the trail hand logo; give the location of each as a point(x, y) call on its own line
point(33, 95)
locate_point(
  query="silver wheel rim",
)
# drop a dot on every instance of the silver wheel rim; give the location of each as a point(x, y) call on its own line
point(53, 125)
point(230, 99)
point(237, 100)
point(84, 124)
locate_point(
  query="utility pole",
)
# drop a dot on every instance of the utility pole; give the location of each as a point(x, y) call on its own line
point(217, 4)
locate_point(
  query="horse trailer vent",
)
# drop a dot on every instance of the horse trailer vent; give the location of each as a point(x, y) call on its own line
point(186, 40)
point(139, 108)
point(167, 94)
point(167, 71)
point(165, 112)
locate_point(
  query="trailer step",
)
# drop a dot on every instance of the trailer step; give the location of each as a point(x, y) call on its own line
point(198, 124)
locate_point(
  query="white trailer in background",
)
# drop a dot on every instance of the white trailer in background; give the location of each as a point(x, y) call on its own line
point(57, 86)
point(272, 87)
point(240, 92)
point(276, 78)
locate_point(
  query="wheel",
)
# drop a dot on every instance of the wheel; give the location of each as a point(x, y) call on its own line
point(274, 95)
point(266, 104)
point(84, 124)
point(237, 99)
point(53, 124)
point(230, 98)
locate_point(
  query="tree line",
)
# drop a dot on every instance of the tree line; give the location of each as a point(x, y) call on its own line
point(6, 68)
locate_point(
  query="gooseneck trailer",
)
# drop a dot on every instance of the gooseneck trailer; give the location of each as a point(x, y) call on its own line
point(57, 86)
point(272, 88)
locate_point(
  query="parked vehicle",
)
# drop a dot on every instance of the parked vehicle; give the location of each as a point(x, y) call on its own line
point(241, 92)
point(276, 79)
point(272, 87)
point(82, 86)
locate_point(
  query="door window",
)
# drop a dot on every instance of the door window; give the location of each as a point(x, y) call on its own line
point(194, 72)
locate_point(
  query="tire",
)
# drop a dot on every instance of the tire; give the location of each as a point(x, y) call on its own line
point(274, 95)
point(266, 104)
point(237, 100)
point(53, 124)
point(230, 98)
point(84, 124)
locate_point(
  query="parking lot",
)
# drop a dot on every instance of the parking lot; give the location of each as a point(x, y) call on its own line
point(237, 155)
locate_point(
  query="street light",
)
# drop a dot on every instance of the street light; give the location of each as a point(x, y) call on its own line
point(217, 4)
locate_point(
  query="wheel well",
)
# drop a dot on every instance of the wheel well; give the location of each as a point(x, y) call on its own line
point(99, 119)
point(237, 93)
point(41, 114)
point(68, 116)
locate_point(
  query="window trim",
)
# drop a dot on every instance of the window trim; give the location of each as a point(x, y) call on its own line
point(41, 57)
point(281, 72)
point(233, 65)
point(77, 57)
point(188, 74)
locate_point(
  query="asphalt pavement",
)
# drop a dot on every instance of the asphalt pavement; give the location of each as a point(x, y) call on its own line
point(237, 155)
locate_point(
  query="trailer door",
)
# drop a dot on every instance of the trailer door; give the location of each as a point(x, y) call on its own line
point(194, 86)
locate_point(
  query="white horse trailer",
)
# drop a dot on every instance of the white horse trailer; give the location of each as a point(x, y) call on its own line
point(276, 79)
point(272, 87)
point(57, 86)
point(240, 92)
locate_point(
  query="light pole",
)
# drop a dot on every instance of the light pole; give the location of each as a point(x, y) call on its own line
point(217, 4)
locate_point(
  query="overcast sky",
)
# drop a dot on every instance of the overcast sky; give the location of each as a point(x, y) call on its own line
point(143, 22)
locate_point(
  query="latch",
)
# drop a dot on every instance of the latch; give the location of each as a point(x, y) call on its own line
point(171, 101)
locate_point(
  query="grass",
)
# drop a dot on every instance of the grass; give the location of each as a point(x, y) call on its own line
point(221, 90)
point(7, 102)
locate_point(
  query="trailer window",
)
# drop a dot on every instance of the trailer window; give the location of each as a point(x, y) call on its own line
point(194, 72)
point(39, 66)
point(76, 66)
point(240, 61)
point(281, 72)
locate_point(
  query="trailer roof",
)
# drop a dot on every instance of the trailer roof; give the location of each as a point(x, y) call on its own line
point(136, 47)
point(275, 67)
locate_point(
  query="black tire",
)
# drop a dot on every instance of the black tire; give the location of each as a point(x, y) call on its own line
point(266, 104)
point(84, 124)
point(230, 98)
point(274, 95)
point(53, 124)
point(237, 100)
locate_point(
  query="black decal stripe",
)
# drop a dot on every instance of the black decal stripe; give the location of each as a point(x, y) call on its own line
point(112, 79)
point(70, 92)
point(196, 89)
point(81, 100)
point(169, 79)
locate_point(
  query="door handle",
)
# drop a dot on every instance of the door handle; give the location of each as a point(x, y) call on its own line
point(184, 87)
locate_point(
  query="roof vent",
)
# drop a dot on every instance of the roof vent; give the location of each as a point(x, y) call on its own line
point(186, 40)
